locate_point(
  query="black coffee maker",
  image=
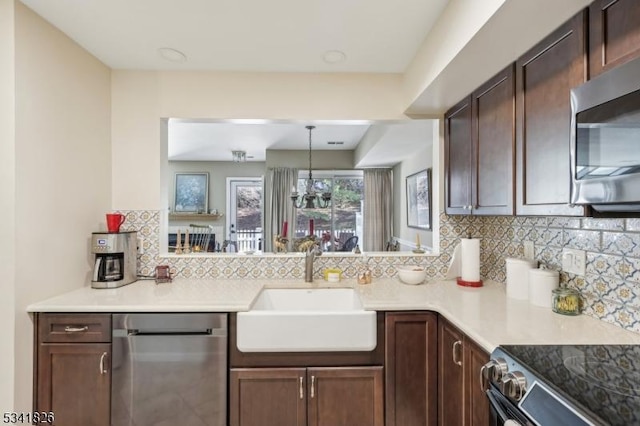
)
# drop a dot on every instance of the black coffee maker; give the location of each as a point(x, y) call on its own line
point(115, 261)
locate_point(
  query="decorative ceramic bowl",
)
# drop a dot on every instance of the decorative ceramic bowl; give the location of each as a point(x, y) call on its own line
point(411, 274)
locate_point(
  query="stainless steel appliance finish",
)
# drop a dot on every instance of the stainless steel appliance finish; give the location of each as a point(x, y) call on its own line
point(563, 385)
point(169, 369)
point(115, 259)
point(605, 130)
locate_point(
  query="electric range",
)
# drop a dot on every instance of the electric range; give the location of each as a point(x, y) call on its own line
point(550, 385)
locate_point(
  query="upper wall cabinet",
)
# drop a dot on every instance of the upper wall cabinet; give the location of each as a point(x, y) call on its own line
point(457, 153)
point(614, 34)
point(479, 149)
point(493, 137)
point(544, 78)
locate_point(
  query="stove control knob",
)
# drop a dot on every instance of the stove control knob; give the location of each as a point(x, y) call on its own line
point(492, 372)
point(513, 385)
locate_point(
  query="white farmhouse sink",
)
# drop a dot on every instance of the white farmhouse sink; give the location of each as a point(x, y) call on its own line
point(306, 320)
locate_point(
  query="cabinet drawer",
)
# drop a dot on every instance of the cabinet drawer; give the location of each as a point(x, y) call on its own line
point(69, 328)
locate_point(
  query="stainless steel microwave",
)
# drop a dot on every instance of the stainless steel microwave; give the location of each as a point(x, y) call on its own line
point(605, 141)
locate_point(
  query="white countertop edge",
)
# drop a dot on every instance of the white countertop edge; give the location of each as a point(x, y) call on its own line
point(481, 314)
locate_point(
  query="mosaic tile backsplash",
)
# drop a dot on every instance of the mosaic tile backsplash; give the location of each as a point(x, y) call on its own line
point(287, 266)
point(611, 285)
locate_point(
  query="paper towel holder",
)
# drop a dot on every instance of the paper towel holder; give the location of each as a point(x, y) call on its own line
point(464, 283)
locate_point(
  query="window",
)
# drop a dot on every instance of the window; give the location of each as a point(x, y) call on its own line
point(339, 226)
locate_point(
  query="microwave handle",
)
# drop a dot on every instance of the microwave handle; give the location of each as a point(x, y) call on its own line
point(96, 268)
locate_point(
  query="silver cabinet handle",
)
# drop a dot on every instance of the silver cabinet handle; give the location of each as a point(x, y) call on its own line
point(313, 381)
point(102, 369)
point(76, 329)
point(301, 387)
point(455, 355)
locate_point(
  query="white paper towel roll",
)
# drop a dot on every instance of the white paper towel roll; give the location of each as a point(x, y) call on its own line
point(541, 283)
point(470, 259)
point(518, 277)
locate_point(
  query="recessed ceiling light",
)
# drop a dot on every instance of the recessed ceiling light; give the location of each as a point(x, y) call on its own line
point(334, 56)
point(172, 55)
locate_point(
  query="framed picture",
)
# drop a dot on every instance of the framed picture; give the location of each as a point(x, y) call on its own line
point(419, 200)
point(192, 192)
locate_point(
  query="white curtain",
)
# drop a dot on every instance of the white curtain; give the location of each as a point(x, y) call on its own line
point(279, 207)
point(378, 208)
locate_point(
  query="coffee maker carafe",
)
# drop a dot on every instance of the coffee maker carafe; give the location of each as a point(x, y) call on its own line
point(115, 259)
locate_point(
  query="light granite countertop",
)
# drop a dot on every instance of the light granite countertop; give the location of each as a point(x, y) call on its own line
point(485, 314)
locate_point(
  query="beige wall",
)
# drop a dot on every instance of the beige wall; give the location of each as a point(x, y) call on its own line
point(62, 173)
point(140, 99)
point(419, 161)
point(322, 159)
point(218, 171)
point(459, 22)
point(7, 203)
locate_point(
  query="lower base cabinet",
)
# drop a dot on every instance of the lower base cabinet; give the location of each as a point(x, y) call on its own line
point(461, 401)
point(314, 396)
point(411, 369)
point(73, 368)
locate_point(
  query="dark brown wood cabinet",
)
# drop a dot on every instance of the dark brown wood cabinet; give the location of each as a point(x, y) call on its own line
point(493, 136)
point(268, 396)
point(450, 375)
point(614, 34)
point(73, 368)
point(315, 396)
point(411, 380)
point(479, 149)
point(345, 396)
point(458, 158)
point(460, 398)
point(474, 357)
point(544, 78)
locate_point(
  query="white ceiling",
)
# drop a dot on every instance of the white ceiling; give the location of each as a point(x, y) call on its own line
point(378, 36)
point(214, 141)
point(202, 140)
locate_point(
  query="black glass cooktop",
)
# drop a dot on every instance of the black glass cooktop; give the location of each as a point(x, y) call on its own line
point(602, 380)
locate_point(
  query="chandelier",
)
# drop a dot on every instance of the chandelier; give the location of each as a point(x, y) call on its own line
point(239, 156)
point(311, 199)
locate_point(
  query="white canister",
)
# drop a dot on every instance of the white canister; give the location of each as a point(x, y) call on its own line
point(541, 284)
point(518, 277)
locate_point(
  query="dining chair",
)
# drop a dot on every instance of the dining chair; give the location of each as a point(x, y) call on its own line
point(200, 237)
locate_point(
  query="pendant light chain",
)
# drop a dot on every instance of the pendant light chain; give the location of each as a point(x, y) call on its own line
point(310, 168)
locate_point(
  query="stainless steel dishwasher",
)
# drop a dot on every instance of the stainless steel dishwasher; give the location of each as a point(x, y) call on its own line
point(169, 369)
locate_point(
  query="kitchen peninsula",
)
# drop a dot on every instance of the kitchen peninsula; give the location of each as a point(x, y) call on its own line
point(485, 314)
point(466, 322)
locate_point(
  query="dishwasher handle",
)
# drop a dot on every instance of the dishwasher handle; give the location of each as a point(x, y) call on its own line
point(133, 332)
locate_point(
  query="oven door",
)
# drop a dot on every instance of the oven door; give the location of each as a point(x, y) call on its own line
point(503, 411)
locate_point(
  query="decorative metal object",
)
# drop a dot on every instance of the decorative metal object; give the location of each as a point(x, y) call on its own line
point(311, 199)
point(280, 243)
